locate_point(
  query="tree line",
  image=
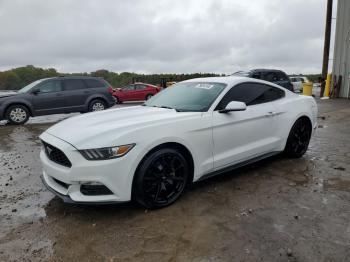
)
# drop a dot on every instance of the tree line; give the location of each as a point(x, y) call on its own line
point(17, 78)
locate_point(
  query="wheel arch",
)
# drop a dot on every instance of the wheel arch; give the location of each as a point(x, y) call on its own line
point(30, 109)
point(307, 118)
point(176, 145)
point(149, 94)
point(301, 116)
point(95, 97)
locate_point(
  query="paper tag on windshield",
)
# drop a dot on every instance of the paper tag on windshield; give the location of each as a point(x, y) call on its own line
point(204, 86)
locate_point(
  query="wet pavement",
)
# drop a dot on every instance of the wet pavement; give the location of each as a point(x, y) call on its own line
point(276, 210)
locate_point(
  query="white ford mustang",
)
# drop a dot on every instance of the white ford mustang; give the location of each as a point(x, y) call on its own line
point(193, 130)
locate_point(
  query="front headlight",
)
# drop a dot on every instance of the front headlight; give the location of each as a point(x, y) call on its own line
point(106, 152)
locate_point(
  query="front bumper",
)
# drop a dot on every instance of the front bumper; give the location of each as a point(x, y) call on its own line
point(67, 199)
point(67, 182)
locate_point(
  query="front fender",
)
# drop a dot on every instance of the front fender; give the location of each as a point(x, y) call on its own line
point(7, 104)
point(146, 148)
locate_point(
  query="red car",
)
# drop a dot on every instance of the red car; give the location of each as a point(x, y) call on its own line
point(135, 92)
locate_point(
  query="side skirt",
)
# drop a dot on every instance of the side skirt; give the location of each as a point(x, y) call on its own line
point(236, 166)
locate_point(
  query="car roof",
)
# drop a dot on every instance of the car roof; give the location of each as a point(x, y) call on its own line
point(234, 80)
point(265, 70)
point(72, 77)
point(229, 80)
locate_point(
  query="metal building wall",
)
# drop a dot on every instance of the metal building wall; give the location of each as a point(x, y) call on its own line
point(341, 58)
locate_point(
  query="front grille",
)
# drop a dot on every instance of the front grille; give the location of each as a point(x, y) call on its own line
point(56, 155)
point(95, 190)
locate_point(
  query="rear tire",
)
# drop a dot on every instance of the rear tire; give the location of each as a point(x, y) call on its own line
point(161, 178)
point(97, 105)
point(298, 139)
point(148, 96)
point(17, 114)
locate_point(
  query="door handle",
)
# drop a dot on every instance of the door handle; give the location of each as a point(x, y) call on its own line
point(271, 113)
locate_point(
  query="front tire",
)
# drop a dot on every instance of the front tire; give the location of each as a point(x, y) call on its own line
point(161, 178)
point(17, 114)
point(148, 96)
point(117, 101)
point(298, 139)
point(97, 105)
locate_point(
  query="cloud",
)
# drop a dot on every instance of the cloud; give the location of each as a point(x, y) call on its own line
point(148, 36)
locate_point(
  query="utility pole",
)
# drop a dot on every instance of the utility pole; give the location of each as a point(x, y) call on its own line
point(327, 40)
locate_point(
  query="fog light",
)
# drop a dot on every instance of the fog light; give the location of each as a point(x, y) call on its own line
point(94, 189)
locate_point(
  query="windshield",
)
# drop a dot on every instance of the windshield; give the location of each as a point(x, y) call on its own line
point(188, 96)
point(28, 87)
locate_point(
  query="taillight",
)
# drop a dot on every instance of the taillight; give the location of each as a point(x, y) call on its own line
point(110, 90)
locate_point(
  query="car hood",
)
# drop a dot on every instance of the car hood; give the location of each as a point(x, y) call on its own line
point(7, 94)
point(102, 129)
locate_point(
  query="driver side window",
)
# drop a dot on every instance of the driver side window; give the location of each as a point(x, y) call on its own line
point(250, 94)
point(49, 86)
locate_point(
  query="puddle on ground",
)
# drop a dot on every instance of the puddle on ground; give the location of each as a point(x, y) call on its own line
point(337, 184)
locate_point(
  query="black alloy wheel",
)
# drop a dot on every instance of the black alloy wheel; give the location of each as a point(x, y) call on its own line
point(161, 178)
point(298, 139)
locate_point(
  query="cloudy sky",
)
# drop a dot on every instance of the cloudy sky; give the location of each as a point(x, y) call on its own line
point(158, 36)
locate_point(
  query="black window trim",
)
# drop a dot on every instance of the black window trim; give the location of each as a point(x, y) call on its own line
point(251, 82)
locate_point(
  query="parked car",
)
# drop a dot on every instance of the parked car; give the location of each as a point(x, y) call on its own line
point(298, 81)
point(150, 153)
point(135, 92)
point(277, 77)
point(55, 96)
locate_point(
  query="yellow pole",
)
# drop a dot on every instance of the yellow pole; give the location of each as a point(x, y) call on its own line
point(328, 85)
point(307, 89)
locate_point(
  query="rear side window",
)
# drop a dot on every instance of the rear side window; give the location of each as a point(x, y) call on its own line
point(251, 94)
point(140, 87)
point(269, 95)
point(94, 83)
point(73, 84)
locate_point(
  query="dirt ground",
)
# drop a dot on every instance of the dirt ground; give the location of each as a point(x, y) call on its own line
point(275, 210)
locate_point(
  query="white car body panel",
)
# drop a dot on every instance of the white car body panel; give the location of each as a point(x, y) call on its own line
point(214, 140)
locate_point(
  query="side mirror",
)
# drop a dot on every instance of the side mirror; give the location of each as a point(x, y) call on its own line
point(234, 106)
point(35, 91)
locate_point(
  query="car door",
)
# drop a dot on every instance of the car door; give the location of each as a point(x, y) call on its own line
point(242, 135)
point(76, 94)
point(140, 92)
point(48, 98)
point(127, 93)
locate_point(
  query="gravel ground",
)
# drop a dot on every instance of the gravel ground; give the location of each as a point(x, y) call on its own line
point(276, 210)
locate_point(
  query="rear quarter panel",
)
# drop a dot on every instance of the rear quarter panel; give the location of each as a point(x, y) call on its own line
point(291, 108)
